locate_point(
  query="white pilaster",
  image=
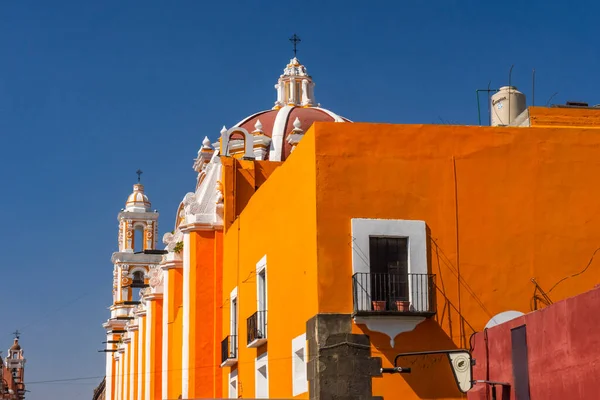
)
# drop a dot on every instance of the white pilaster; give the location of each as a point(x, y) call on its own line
point(149, 377)
point(132, 372)
point(118, 380)
point(109, 371)
point(185, 356)
point(292, 84)
point(125, 363)
point(165, 335)
point(141, 352)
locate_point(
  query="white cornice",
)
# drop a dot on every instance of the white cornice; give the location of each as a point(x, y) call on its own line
point(153, 296)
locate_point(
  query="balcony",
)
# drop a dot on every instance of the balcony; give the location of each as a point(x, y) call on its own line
point(257, 329)
point(386, 294)
point(229, 351)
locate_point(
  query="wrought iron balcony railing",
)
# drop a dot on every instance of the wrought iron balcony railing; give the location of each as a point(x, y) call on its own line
point(394, 294)
point(229, 350)
point(257, 328)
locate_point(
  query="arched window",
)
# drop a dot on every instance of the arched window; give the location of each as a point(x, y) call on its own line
point(137, 285)
point(138, 239)
point(138, 279)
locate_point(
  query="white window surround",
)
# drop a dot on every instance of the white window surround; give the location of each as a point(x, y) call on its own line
point(233, 384)
point(233, 326)
point(299, 373)
point(261, 377)
point(416, 232)
point(261, 304)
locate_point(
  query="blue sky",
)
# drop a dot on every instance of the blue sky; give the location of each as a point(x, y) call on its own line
point(91, 91)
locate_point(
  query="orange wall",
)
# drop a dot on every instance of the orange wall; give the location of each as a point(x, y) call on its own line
point(206, 284)
point(566, 117)
point(278, 221)
point(503, 205)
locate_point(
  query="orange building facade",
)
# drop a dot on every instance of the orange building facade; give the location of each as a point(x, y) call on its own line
point(314, 250)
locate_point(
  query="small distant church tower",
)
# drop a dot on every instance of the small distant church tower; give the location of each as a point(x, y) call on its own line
point(133, 265)
point(15, 369)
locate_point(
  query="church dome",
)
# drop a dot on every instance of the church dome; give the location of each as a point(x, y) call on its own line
point(16, 346)
point(137, 200)
point(293, 114)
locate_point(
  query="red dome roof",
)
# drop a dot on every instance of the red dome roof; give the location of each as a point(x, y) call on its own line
point(278, 124)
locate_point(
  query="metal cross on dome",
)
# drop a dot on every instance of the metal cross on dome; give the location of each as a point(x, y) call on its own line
point(139, 173)
point(295, 39)
point(17, 334)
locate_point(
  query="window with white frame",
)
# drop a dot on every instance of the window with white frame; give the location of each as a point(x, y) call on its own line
point(299, 375)
point(389, 264)
point(261, 366)
point(261, 297)
point(233, 384)
point(233, 323)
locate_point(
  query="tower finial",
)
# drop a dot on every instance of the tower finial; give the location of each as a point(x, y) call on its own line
point(139, 173)
point(295, 39)
point(17, 334)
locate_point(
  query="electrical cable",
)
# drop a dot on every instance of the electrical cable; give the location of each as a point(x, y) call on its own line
point(578, 273)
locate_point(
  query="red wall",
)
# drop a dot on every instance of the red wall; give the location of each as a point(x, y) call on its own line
point(563, 345)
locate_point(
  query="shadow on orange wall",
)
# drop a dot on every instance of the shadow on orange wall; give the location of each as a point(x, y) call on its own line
point(431, 376)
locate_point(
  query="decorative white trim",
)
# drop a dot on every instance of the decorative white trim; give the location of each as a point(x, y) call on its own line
point(416, 232)
point(165, 336)
point(149, 329)
point(261, 266)
point(141, 339)
point(131, 357)
point(185, 351)
point(299, 372)
point(333, 115)
point(278, 133)
point(248, 141)
point(118, 378)
point(109, 369)
point(233, 384)
point(389, 325)
point(261, 376)
point(234, 321)
point(242, 122)
point(126, 375)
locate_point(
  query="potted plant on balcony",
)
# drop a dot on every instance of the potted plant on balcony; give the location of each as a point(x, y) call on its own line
point(402, 305)
point(378, 305)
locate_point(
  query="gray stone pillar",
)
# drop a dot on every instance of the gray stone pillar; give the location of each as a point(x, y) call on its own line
point(340, 365)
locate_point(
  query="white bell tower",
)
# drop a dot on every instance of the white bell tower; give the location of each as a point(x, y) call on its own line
point(134, 264)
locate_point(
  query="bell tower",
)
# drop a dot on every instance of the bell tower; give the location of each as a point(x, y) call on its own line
point(134, 264)
point(15, 363)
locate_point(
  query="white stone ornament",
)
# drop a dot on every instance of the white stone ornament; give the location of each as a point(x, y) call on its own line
point(206, 143)
point(297, 124)
point(258, 126)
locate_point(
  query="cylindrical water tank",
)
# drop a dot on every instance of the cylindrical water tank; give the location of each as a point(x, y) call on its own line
point(507, 104)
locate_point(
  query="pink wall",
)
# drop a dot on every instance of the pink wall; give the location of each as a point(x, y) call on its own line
point(563, 345)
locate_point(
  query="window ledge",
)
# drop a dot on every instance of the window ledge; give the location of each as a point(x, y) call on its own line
point(257, 342)
point(229, 362)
